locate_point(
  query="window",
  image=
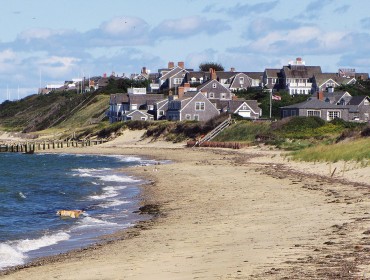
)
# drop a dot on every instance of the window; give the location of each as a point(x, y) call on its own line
point(333, 115)
point(143, 118)
point(196, 117)
point(313, 113)
point(214, 85)
point(366, 102)
point(161, 112)
point(241, 80)
point(223, 95)
point(188, 117)
point(244, 107)
point(199, 106)
point(177, 81)
point(211, 95)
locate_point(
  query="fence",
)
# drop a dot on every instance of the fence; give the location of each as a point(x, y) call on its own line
point(30, 147)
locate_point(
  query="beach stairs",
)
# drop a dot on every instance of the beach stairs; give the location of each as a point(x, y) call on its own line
point(226, 123)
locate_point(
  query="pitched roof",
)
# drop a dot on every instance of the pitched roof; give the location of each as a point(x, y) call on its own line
point(274, 73)
point(313, 103)
point(301, 71)
point(357, 100)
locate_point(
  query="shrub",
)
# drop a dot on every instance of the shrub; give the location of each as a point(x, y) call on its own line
point(366, 131)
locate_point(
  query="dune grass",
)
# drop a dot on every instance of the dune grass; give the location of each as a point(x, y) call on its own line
point(355, 150)
point(243, 131)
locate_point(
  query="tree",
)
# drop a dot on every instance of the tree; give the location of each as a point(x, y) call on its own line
point(205, 66)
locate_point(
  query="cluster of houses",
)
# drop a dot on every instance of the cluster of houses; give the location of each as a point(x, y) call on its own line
point(202, 95)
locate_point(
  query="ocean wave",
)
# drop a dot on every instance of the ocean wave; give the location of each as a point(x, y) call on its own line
point(109, 192)
point(113, 203)
point(9, 256)
point(93, 222)
point(27, 245)
point(117, 178)
point(14, 253)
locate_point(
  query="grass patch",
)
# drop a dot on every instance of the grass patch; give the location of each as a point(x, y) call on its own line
point(243, 131)
point(355, 150)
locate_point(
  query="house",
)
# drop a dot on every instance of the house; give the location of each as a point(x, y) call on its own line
point(173, 76)
point(195, 78)
point(271, 79)
point(160, 109)
point(215, 90)
point(348, 108)
point(325, 81)
point(297, 77)
point(138, 115)
point(245, 108)
point(240, 81)
point(191, 106)
point(121, 104)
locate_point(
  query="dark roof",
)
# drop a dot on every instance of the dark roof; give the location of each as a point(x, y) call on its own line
point(357, 100)
point(272, 72)
point(323, 77)
point(313, 103)
point(145, 98)
point(301, 71)
point(254, 75)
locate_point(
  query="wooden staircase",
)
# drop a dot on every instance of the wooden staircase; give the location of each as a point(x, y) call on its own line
point(226, 123)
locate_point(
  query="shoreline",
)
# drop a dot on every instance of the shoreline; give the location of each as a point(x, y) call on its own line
point(237, 214)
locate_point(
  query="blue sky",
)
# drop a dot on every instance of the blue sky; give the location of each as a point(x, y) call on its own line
point(43, 43)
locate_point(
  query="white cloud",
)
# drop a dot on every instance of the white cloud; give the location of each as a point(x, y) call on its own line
point(58, 67)
point(39, 33)
point(189, 26)
point(123, 26)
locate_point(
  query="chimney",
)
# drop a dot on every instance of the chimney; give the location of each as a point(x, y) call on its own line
point(213, 74)
point(232, 69)
point(320, 95)
point(187, 85)
point(143, 70)
point(171, 65)
point(181, 64)
point(180, 91)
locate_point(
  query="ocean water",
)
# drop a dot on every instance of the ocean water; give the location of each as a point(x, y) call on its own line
point(34, 187)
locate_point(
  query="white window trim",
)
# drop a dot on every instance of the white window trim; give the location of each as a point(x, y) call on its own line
point(200, 106)
point(313, 113)
point(196, 117)
point(333, 111)
point(187, 117)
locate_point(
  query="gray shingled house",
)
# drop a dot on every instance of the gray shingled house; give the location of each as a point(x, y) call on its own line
point(348, 108)
point(191, 106)
point(121, 104)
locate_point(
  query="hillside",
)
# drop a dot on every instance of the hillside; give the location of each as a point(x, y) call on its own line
point(56, 112)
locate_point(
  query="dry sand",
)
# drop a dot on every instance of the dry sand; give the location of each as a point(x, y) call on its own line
point(230, 214)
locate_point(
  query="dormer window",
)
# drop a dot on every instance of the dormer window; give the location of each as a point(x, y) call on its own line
point(366, 102)
point(241, 80)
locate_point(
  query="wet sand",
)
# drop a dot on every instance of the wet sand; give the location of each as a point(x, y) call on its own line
point(229, 214)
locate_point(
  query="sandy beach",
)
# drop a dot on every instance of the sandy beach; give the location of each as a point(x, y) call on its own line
point(229, 214)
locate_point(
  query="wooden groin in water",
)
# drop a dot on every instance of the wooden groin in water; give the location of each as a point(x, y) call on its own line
point(33, 146)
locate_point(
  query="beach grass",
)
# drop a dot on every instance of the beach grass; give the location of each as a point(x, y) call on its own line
point(243, 131)
point(354, 150)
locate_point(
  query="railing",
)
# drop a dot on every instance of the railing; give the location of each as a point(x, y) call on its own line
point(214, 132)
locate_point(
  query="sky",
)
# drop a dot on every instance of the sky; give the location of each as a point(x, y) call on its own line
point(43, 43)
